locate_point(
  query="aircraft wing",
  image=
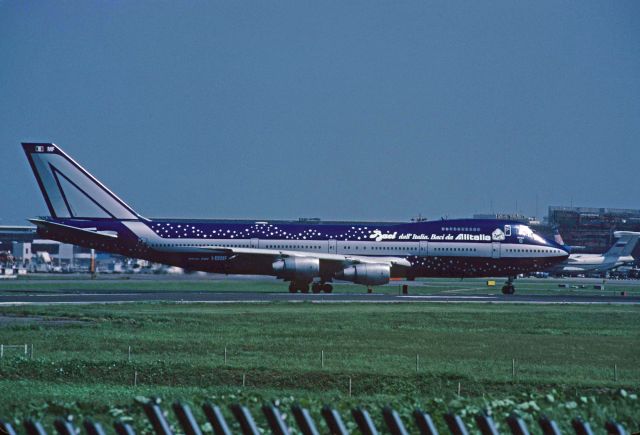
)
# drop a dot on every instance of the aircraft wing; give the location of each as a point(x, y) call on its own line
point(345, 260)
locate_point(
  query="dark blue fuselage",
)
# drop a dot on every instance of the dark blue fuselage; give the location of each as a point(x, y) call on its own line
point(445, 248)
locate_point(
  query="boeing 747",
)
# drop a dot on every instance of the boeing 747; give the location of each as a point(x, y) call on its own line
point(83, 211)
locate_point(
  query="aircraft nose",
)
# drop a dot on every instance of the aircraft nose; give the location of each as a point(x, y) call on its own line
point(564, 252)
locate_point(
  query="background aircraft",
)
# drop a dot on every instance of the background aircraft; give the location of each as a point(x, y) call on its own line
point(619, 254)
point(86, 213)
point(558, 239)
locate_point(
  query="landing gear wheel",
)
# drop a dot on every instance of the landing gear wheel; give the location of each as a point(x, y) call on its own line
point(327, 288)
point(293, 288)
point(508, 289)
point(304, 288)
point(316, 287)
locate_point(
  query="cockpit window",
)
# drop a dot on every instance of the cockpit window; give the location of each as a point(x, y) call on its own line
point(524, 231)
point(507, 230)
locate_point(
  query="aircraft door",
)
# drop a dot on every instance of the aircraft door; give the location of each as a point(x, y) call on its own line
point(333, 246)
point(424, 248)
point(495, 249)
point(255, 243)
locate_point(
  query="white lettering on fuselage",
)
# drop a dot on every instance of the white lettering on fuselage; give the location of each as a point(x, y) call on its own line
point(474, 237)
point(378, 236)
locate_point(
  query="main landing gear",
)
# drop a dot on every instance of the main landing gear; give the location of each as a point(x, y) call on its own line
point(303, 287)
point(508, 288)
point(318, 287)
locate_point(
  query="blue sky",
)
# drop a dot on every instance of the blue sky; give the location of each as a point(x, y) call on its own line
point(339, 110)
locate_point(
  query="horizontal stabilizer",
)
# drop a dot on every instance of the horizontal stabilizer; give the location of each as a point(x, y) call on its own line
point(57, 228)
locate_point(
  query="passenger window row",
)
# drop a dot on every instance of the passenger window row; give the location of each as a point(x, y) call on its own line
point(532, 250)
point(293, 247)
point(468, 229)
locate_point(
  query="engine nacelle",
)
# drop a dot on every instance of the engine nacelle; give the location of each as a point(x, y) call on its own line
point(296, 268)
point(367, 274)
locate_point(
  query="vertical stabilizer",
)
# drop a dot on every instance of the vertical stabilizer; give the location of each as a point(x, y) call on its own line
point(69, 190)
point(625, 244)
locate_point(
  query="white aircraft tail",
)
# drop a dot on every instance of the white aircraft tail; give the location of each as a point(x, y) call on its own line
point(625, 244)
point(69, 190)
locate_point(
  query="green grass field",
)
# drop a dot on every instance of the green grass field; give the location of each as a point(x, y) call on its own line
point(564, 357)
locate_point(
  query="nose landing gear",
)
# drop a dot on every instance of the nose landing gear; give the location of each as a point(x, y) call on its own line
point(509, 288)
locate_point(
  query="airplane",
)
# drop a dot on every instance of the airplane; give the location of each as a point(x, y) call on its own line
point(83, 211)
point(570, 248)
point(619, 254)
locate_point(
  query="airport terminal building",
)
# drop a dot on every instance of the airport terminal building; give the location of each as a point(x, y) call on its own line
point(592, 227)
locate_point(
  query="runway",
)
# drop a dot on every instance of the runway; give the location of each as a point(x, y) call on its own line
point(252, 297)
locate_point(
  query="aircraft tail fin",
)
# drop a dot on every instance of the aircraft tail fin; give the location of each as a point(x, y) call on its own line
point(69, 190)
point(557, 237)
point(625, 244)
point(569, 248)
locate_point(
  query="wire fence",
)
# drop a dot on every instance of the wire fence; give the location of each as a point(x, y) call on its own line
point(277, 423)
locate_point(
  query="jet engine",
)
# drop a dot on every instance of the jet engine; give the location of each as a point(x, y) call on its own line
point(367, 274)
point(297, 268)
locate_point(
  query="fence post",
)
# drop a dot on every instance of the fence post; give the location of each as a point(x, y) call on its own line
point(455, 424)
point(157, 419)
point(614, 428)
point(486, 425)
point(615, 372)
point(64, 427)
point(364, 421)
point(517, 425)
point(244, 417)
point(33, 427)
point(6, 428)
point(26, 350)
point(581, 427)
point(349, 386)
point(275, 420)
point(322, 358)
point(334, 421)
point(424, 422)
point(123, 428)
point(93, 428)
point(549, 427)
point(305, 421)
point(393, 421)
point(513, 368)
point(186, 419)
point(225, 355)
point(417, 363)
point(129, 353)
point(1, 350)
point(215, 417)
